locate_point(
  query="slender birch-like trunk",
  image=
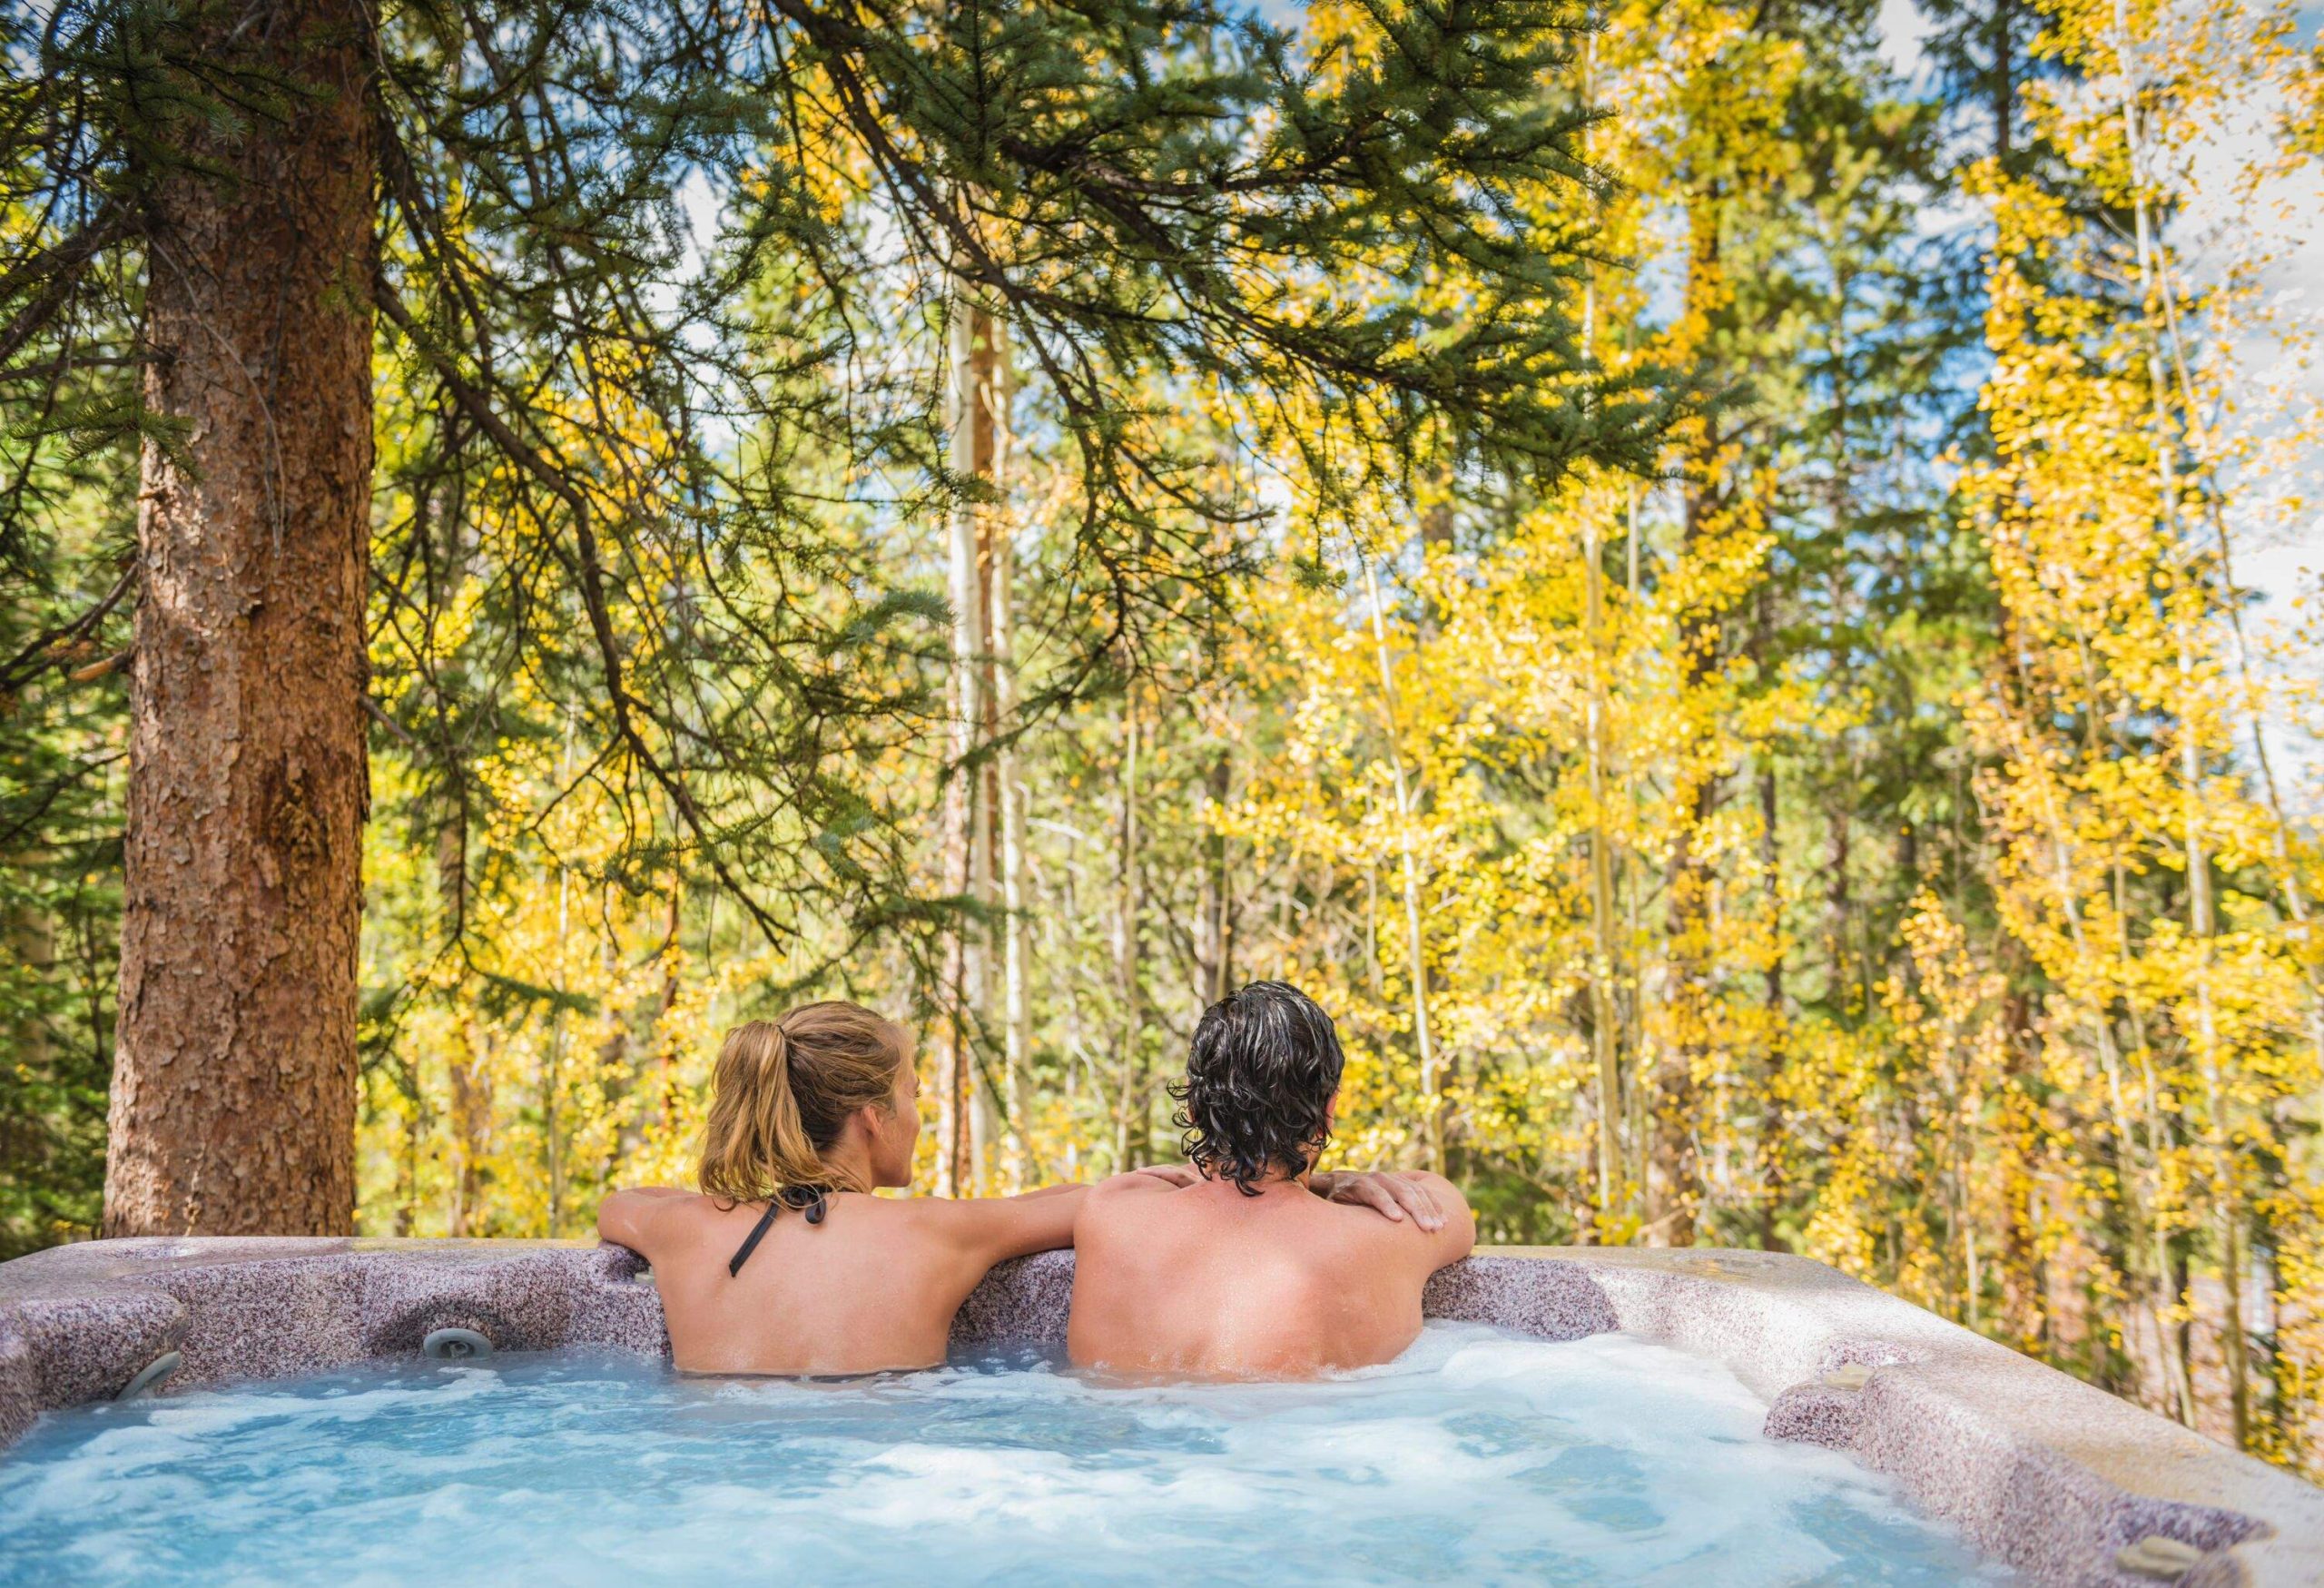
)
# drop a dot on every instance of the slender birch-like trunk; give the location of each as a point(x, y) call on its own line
point(1008, 794)
point(471, 1096)
point(1432, 1101)
point(1129, 1097)
point(1213, 938)
point(1604, 1035)
point(970, 418)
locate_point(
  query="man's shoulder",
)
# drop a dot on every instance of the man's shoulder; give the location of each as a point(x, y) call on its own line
point(1403, 1240)
point(1126, 1196)
point(1133, 1187)
point(1126, 1203)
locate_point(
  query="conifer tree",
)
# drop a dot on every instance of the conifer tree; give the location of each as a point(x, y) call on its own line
point(212, 200)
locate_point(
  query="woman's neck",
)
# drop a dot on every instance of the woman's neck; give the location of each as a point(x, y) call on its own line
point(847, 1166)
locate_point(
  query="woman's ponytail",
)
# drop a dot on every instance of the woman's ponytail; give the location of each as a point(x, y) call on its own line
point(784, 1090)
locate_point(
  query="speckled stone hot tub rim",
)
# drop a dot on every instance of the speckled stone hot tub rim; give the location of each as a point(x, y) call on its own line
point(2034, 1467)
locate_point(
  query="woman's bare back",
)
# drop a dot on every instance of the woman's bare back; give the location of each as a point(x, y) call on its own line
point(870, 1288)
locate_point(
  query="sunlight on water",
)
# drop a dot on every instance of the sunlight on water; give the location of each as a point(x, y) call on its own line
point(1480, 1457)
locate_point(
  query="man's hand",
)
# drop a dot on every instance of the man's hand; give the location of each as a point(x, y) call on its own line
point(1393, 1196)
point(1390, 1196)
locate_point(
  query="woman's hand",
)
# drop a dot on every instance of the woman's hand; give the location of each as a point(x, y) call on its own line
point(1390, 1196)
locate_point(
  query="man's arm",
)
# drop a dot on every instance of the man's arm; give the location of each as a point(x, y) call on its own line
point(1391, 1194)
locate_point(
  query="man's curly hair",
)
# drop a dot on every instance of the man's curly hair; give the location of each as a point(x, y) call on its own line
point(1259, 1085)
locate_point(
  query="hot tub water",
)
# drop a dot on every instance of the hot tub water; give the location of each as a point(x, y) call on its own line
point(1479, 1456)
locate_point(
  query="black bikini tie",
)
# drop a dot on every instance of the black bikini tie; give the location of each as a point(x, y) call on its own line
point(804, 1198)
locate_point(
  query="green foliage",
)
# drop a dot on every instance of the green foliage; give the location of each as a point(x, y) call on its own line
point(1769, 817)
point(61, 774)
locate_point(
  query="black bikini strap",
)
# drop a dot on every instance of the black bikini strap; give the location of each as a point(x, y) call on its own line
point(758, 1232)
point(808, 1199)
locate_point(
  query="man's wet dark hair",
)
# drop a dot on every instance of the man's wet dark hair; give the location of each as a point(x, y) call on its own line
point(1259, 1084)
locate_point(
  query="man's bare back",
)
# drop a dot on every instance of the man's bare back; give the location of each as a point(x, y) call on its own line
point(1246, 1272)
point(1204, 1280)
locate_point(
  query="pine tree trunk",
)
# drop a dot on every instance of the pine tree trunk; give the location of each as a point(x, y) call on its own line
point(234, 1079)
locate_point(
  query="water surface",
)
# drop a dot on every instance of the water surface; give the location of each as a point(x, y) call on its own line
point(1478, 1457)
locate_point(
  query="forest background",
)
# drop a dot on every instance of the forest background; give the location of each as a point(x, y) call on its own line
point(1856, 809)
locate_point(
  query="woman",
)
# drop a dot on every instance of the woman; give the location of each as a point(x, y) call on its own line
point(786, 1263)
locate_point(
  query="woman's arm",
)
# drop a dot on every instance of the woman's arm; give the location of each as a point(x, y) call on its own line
point(992, 1229)
point(623, 1217)
point(1392, 1194)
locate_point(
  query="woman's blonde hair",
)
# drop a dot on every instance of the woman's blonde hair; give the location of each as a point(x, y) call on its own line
point(783, 1091)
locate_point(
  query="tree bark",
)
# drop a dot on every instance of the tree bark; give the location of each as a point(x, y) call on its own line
point(234, 1079)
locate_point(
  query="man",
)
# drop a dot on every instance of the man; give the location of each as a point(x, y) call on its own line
point(1237, 1268)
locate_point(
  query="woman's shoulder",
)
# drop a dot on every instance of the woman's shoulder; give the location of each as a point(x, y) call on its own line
point(908, 1230)
point(896, 1218)
point(906, 1212)
point(630, 1216)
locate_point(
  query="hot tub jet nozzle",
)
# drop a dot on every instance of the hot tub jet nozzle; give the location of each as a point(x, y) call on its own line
point(455, 1344)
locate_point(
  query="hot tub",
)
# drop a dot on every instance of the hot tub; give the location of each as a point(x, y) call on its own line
point(1707, 1396)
